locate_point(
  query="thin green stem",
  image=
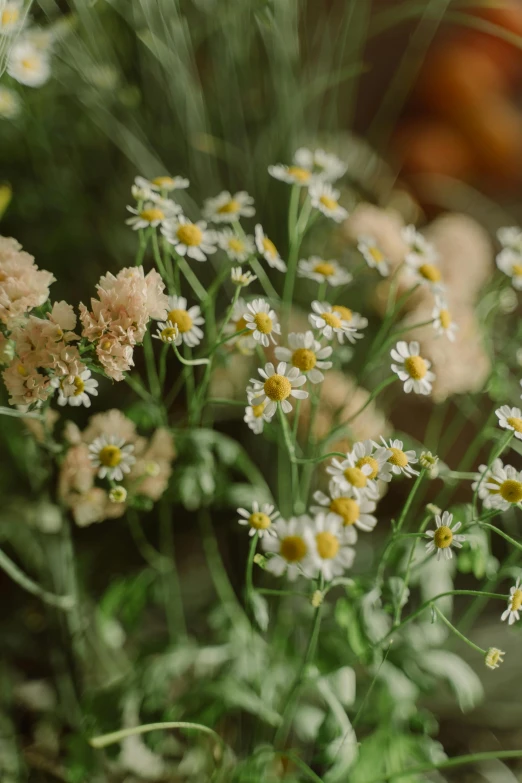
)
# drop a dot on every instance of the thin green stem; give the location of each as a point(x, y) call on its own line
point(150, 363)
point(460, 761)
point(189, 362)
point(249, 583)
point(104, 740)
point(263, 278)
point(398, 610)
point(64, 602)
point(409, 501)
point(191, 278)
point(499, 532)
point(458, 633)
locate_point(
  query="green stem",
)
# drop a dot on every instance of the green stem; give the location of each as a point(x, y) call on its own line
point(495, 453)
point(249, 584)
point(501, 533)
point(290, 447)
point(458, 633)
point(191, 278)
point(104, 740)
point(409, 501)
point(398, 610)
point(64, 602)
point(189, 362)
point(460, 761)
point(264, 280)
point(152, 372)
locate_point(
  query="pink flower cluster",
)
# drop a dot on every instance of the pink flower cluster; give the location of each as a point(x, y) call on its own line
point(22, 285)
point(149, 475)
point(118, 318)
point(42, 349)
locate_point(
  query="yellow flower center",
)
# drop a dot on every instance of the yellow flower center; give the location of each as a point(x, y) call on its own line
point(263, 322)
point(10, 16)
point(416, 368)
point(515, 422)
point(511, 491)
point(230, 207)
point(79, 386)
point(355, 477)
point(277, 388)
point(257, 410)
point(327, 545)
point(443, 537)
point(332, 320)
point(241, 324)
point(22, 371)
point(259, 520)
point(163, 182)
point(269, 247)
point(152, 214)
point(398, 457)
point(293, 549)
point(304, 359)
point(110, 456)
point(236, 245)
point(516, 601)
point(517, 270)
point(376, 254)
point(494, 658)
point(328, 203)
point(181, 319)
point(190, 234)
point(30, 63)
point(347, 508)
point(371, 462)
point(445, 319)
point(324, 268)
point(169, 333)
point(301, 175)
point(430, 272)
point(345, 312)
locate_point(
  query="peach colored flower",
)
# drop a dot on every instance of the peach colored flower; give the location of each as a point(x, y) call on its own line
point(152, 469)
point(115, 357)
point(36, 427)
point(25, 384)
point(112, 423)
point(22, 285)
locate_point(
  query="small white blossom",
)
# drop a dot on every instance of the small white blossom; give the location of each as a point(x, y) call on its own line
point(226, 208)
point(237, 248)
point(510, 262)
point(443, 537)
point(238, 277)
point(190, 239)
point(512, 613)
point(328, 319)
point(412, 369)
point(278, 385)
point(262, 320)
point(268, 250)
point(510, 419)
point(291, 550)
point(306, 353)
point(111, 456)
point(330, 544)
point(315, 268)
point(74, 390)
point(259, 519)
point(443, 322)
point(373, 255)
point(186, 322)
point(326, 199)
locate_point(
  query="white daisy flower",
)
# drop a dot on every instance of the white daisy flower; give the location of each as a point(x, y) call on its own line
point(323, 165)
point(486, 484)
point(329, 541)
point(373, 255)
point(111, 456)
point(10, 103)
point(12, 17)
point(510, 419)
point(190, 239)
point(237, 248)
point(268, 250)
point(168, 332)
point(325, 198)
point(279, 383)
point(259, 518)
point(443, 322)
point(291, 550)
point(419, 249)
point(321, 271)
point(400, 461)
point(348, 510)
point(226, 208)
point(165, 183)
point(153, 213)
point(293, 175)
point(74, 390)
point(187, 322)
point(511, 237)
point(512, 613)
point(443, 537)
point(255, 415)
point(329, 321)
point(494, 657)
point(506, 487)
point(118, 494)
point(412, 369)
point(238, 277)
point(510, 262)
point(355, 320)
point(262, 320)
point(27, 64)
point(306, 354)
point(356, 475)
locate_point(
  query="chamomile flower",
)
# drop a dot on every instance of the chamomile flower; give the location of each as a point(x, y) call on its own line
point(321, 271)
point(255, 416)
point(292, 175)
point(486, 484)
point(12, 16)
point(419, 249)
point(262, 320)
point(27, 64)
point(118, 494)
point(401, 461)
point(506, 487)
point(355, 477)
point(510, 262)
point(111, 456)
point(510, 419)
point(329, 542)
point(237, 248)
point(259, 519)
point(279, 383)
point(349, 511)
point(511, 237)
point(367, 452)
point(187, 322)
point(190, 239)
point(226, 208)
point(268, 250)
point(168, 332)
point(162, 184)
point(238, 277)
point(74, 390)
point(512, 613)
point(235, 330)
point(443, 322)
point(323, 165)
point(443, 537)
point(10, 104)
point(330, 323)
point(325, 198)
point(494, 657)
point(373, 255)
point(412, 369)
point(355, 320)
point(152, 213)
point(305, 353)
point(290, 548)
